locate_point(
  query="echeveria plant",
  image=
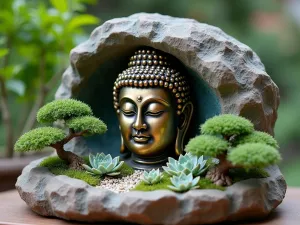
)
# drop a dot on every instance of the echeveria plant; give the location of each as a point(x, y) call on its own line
point(152, 177)
point(102, 164)
point(186, 164)
point(184, 182)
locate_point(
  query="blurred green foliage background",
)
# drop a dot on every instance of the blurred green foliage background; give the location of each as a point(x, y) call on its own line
point(43, 32)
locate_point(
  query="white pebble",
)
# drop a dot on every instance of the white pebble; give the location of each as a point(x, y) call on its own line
point(124, 184)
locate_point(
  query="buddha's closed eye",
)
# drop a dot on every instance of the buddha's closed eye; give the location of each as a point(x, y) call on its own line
point(154, 113)
point(148, 113)
point(128, 112)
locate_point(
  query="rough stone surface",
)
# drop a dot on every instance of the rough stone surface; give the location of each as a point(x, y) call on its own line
point(78, 145)
point(231, 69)
point(73, 199)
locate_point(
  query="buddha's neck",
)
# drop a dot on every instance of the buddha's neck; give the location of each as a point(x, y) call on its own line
point(148, 162)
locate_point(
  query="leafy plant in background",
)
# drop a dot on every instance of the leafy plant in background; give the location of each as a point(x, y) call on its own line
point(184, 182)
point(233, 141)
point(35, 40)
point(187, 163)
point(152, 177)
point(78, 117)
point(102, 164)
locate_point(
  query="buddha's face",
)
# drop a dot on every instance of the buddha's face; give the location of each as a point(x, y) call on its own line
point(147, 120)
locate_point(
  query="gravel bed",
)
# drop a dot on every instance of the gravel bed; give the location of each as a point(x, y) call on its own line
point(121, 185)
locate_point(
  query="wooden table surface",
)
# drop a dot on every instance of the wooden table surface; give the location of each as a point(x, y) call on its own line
point(13, 211)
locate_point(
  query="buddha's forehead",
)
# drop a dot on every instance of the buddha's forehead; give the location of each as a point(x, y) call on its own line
point(144, 94)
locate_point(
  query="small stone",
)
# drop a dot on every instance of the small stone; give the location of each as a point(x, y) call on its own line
point(123, 184)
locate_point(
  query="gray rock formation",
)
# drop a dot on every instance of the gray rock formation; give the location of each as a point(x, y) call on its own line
point(226, 75)
point(78, 146)
point(73, 199)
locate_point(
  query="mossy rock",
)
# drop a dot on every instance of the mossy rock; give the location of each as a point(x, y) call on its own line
point(60, 167)
point(50, 193)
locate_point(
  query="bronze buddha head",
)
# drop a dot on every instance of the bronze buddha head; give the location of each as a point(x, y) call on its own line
point(152, 101)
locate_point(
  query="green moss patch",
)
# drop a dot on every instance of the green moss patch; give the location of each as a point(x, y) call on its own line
point(239, 174)
point(205, 183)
point(126, 170)
point(77, 174)
point(60, 167)
point(163, 185)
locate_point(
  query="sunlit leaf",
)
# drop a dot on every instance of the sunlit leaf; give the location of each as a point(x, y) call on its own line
point(16, 86)
point(81, 20)
point(10, 71)
point(17, 69)
point(60, 5)
point(3, 52)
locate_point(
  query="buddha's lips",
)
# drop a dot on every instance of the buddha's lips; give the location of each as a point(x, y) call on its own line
point(140, 138)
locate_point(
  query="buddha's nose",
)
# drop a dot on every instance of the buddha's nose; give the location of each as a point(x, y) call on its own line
point(139, 123)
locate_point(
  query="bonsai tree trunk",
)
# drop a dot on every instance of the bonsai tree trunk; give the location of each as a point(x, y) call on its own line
point(74, 161)
point(219, 173)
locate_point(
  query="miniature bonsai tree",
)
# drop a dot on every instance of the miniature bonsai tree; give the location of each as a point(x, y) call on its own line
point(76, 115)
point(233, 140)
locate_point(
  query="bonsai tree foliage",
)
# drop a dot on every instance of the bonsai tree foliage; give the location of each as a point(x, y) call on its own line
point(233, 140)
point(77, 116)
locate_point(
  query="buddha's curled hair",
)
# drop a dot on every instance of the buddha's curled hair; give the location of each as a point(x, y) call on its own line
point(152, 68)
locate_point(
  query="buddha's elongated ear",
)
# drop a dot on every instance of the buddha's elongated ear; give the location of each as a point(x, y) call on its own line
point(122, 147)
point(184, 122)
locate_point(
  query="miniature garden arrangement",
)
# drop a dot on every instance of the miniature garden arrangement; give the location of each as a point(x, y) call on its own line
point(229, 138)
point(180, 142)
